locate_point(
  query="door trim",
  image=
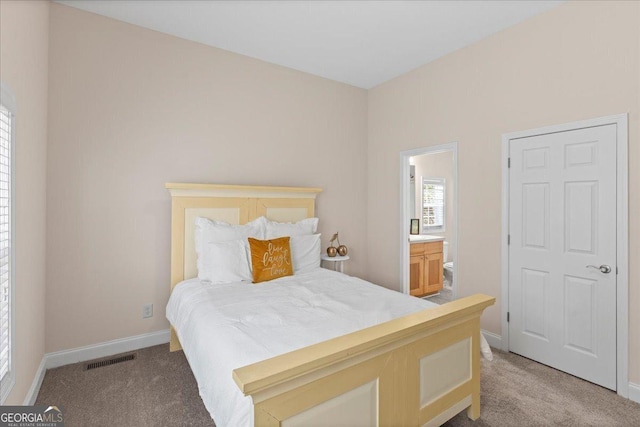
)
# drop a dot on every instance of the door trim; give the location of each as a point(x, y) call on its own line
point(622, 235)
point(405, 209)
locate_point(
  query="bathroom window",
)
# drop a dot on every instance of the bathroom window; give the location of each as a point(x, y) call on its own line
point(433, 206)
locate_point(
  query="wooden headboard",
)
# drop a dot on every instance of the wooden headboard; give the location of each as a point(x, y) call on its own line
point(235, 204)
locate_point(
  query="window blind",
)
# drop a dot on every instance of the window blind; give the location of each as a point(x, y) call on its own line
point(5, 242)
point(432, 204)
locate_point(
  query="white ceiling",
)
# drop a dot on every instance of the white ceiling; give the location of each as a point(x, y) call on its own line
point(362, 43)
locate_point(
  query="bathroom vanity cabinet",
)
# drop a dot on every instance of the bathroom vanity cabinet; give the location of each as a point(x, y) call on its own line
point(425, 267)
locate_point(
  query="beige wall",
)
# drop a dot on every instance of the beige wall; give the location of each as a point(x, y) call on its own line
point(437, 165)
point(578, 61)
point(131, 109)
point(24, 30)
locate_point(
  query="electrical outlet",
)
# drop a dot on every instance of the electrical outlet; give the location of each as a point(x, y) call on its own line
point(147, 311)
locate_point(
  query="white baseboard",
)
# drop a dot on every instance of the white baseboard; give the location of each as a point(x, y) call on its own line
point(634, 392)
point(108, 348)
point(32, 394)
point(494, 340)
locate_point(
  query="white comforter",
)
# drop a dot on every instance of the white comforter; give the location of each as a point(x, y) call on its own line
point(223, 327)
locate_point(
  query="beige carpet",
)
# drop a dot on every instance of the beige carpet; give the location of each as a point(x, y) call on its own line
point(155, 389)
point(518, 392)
point(158, 389)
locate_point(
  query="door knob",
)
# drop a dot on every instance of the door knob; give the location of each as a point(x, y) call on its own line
point(606, 269)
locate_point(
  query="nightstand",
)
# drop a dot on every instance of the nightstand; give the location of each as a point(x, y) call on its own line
point(336, 259)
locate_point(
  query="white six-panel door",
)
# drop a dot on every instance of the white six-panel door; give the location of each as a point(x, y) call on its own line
point(562, 227)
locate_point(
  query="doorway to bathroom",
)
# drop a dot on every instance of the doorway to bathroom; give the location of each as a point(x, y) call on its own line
point(429, 222)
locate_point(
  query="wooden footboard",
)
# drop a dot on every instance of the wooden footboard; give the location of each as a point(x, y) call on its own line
point(421, 369)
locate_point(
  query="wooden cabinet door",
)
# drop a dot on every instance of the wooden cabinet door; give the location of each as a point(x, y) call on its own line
point(433, 247)
point(416, 275)
point(432, 273)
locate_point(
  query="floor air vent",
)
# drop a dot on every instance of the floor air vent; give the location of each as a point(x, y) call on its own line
point(113, 361)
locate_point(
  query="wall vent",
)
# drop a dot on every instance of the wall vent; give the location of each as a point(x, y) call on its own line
point(112, 361)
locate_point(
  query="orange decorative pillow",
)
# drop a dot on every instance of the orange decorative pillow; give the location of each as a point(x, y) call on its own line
point(270, 259)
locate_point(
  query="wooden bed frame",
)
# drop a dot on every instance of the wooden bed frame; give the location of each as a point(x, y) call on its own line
point(421, 369)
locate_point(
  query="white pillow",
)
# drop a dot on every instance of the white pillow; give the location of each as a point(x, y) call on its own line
point(208, 230)
point(305, 253)
point(225, 262)
point(281, 229)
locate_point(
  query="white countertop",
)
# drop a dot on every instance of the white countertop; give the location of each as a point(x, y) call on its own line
point(421, 238)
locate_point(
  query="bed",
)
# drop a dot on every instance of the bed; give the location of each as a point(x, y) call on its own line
point(391, 359)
